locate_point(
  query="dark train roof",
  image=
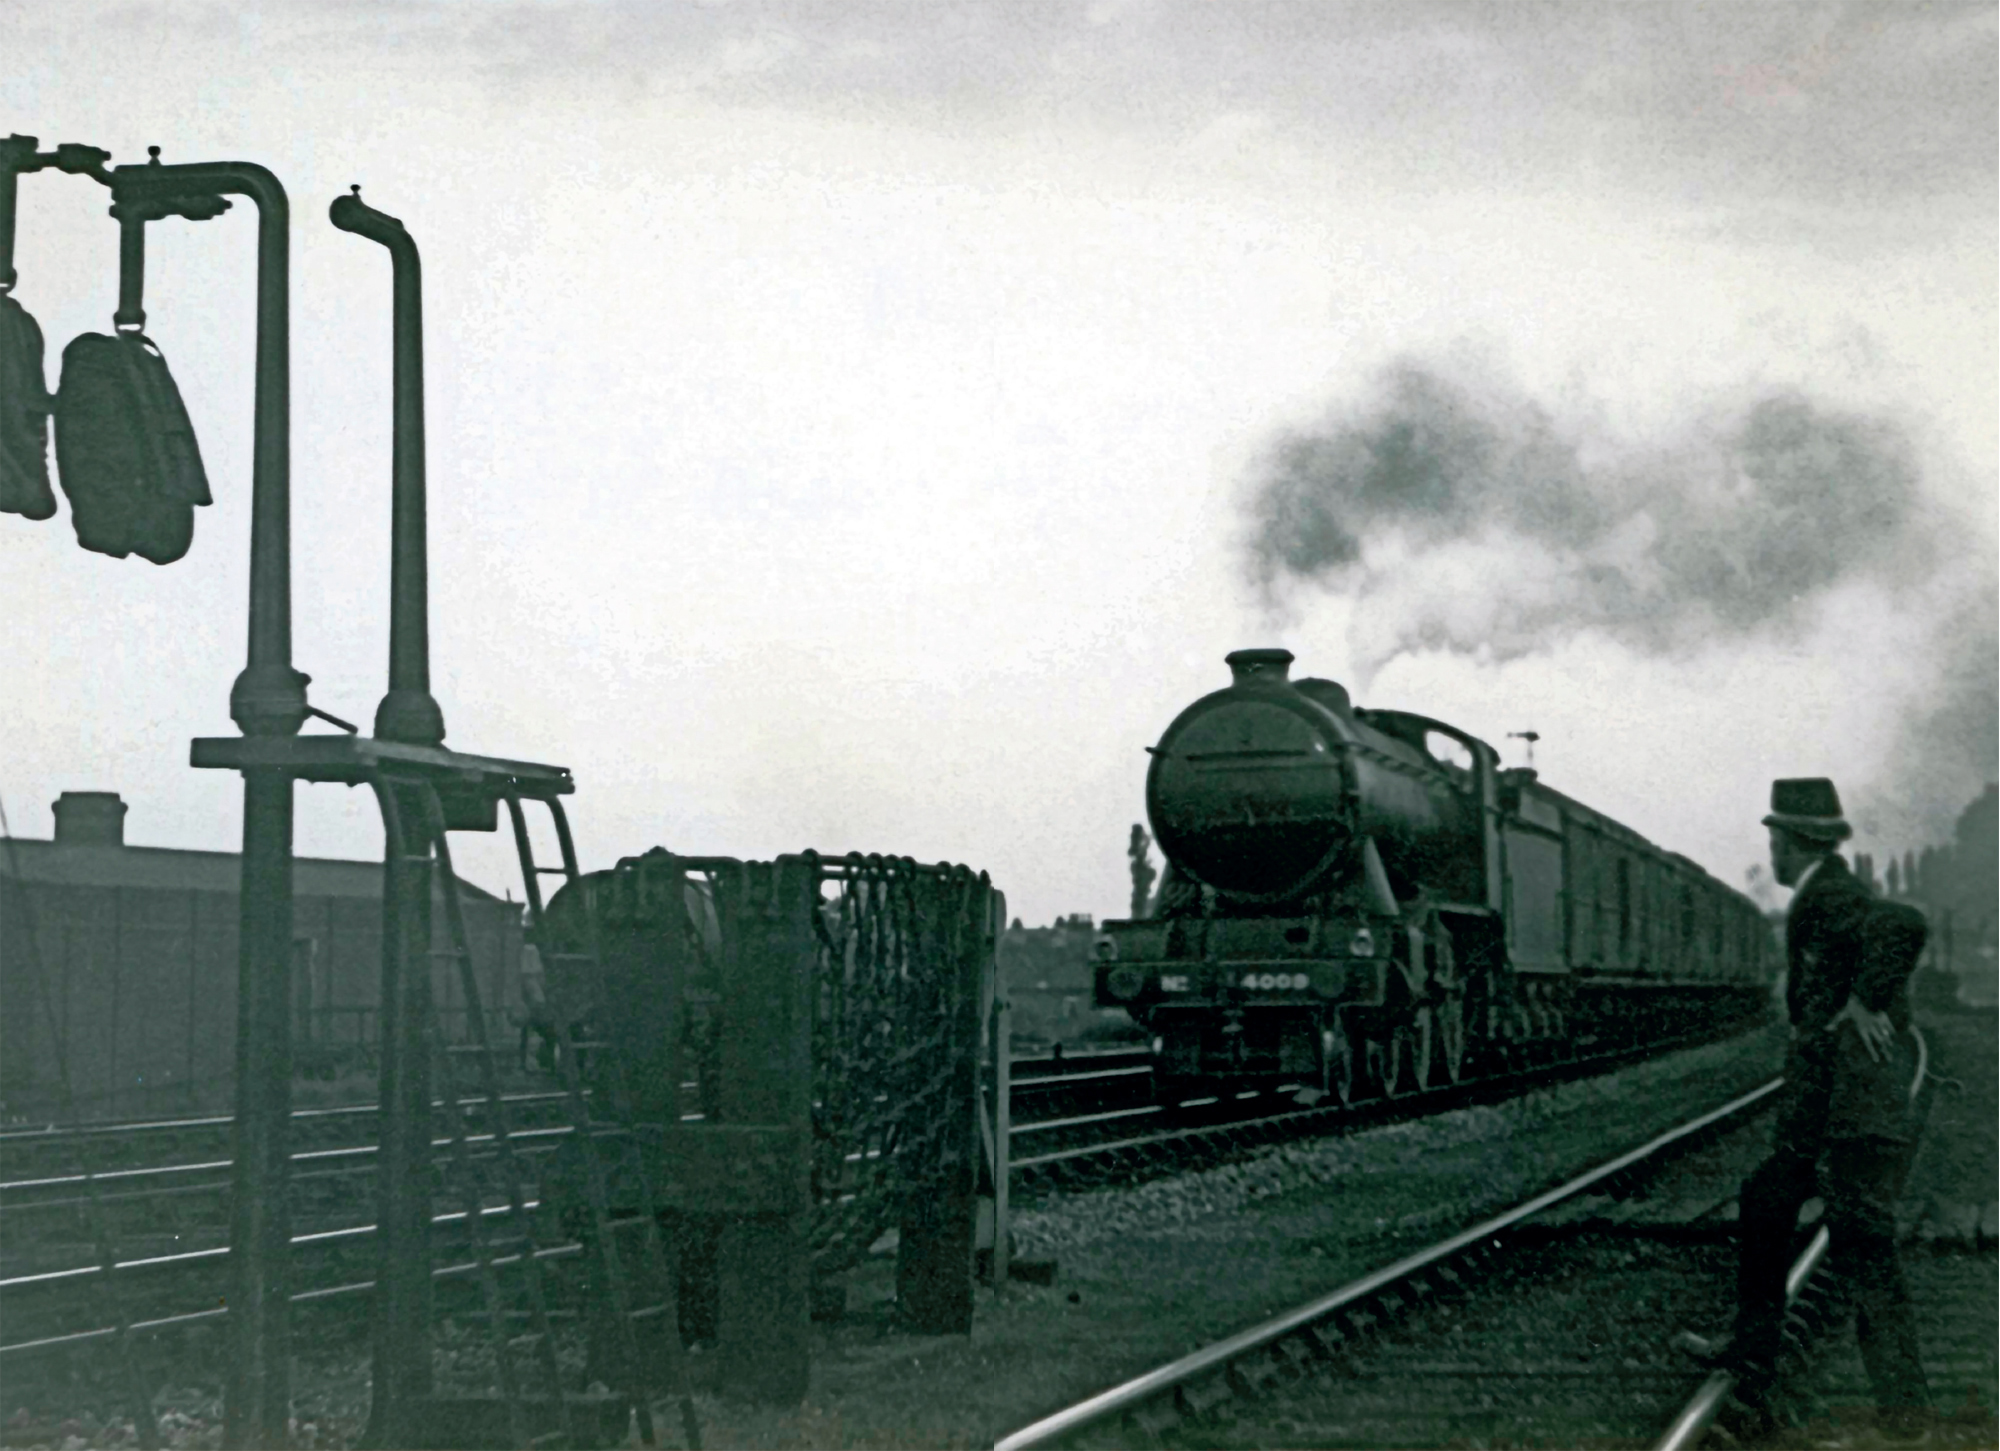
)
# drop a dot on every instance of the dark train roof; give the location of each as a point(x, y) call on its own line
point(1531, 781)
point(174, 869)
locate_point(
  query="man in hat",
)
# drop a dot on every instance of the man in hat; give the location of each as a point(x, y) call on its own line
point(1846, 1100)
point(1877, 1099)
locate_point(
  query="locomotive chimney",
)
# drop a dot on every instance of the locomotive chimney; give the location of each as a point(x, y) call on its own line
point(1258, 667)
point(90, 818)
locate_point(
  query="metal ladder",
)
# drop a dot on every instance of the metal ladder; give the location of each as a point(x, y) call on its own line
point(592, 1131)
point(424, 839)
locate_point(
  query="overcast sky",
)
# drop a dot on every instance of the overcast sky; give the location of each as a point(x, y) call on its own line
point(865, 426)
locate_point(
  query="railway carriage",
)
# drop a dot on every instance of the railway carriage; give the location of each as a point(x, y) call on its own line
point(1364, 901)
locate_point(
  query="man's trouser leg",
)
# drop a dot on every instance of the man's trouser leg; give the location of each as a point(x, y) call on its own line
point(1768, 1213)
point(1863, 1181)
point(1768, 1208)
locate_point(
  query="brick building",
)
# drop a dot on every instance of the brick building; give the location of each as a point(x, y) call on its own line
point(118, 968)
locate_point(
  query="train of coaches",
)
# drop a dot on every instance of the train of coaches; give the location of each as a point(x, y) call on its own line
point(1364, 902)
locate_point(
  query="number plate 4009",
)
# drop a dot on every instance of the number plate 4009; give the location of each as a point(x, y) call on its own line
point(1276, 981)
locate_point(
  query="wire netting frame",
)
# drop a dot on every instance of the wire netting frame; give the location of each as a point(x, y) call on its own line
point(901, 963)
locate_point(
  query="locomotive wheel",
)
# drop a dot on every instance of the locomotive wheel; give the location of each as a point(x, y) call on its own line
point(1522, 1032)
point(1548, 1020)
point(1336, 1064)
point(1420, 1038)
point(1450, 1062)
point(1385, 1061)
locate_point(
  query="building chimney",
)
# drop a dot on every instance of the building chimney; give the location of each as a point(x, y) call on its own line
point(90, 818)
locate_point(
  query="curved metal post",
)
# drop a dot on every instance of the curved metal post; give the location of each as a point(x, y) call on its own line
point(408, 713)
point(269, 697)
point(16, 153)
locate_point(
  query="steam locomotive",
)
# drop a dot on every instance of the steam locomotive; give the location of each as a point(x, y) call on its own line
point(1363, 902)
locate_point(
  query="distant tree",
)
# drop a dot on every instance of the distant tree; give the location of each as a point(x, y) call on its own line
point(1977, 854)
point(1139, 849)
point(1958, 885)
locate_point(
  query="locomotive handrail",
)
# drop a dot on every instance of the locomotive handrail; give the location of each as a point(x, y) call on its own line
point(1247, 755)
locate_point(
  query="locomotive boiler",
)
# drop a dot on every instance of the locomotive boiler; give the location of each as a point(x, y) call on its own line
point(1364, 901)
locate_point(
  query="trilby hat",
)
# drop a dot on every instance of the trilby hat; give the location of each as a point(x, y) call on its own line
point(1808, 806)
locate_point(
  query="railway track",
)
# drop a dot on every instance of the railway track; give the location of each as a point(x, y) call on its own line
point(169, 1222)
point(53, 1150)
point(160, 1190)
point(1073, 1119)
point(1063, 1151)
point(1822, 1395)
point(50, 1166)
point(1295, 1377)
point(1504, 1333)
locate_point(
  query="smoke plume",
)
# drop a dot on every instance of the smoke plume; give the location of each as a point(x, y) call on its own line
point(1948, 743)
point(1473, 520)
point(1455, 513)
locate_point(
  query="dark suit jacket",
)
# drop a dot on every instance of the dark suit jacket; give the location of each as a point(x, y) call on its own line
point(1842, 942)
point(1880, 1098)
point(1867, 1098)
point(1823, 947)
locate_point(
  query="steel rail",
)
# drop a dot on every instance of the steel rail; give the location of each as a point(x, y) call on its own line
point(303, 1156)
point(1220, 1128)
point(1070, 1080)
point(1142, 1388)
point(116, 1128)
point(1043, 1125)
point(37, 1138)
point(310, 1157)
point(298, 1297)
point(1702, 1406)
point(221, 1251)
point(18, 1137)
